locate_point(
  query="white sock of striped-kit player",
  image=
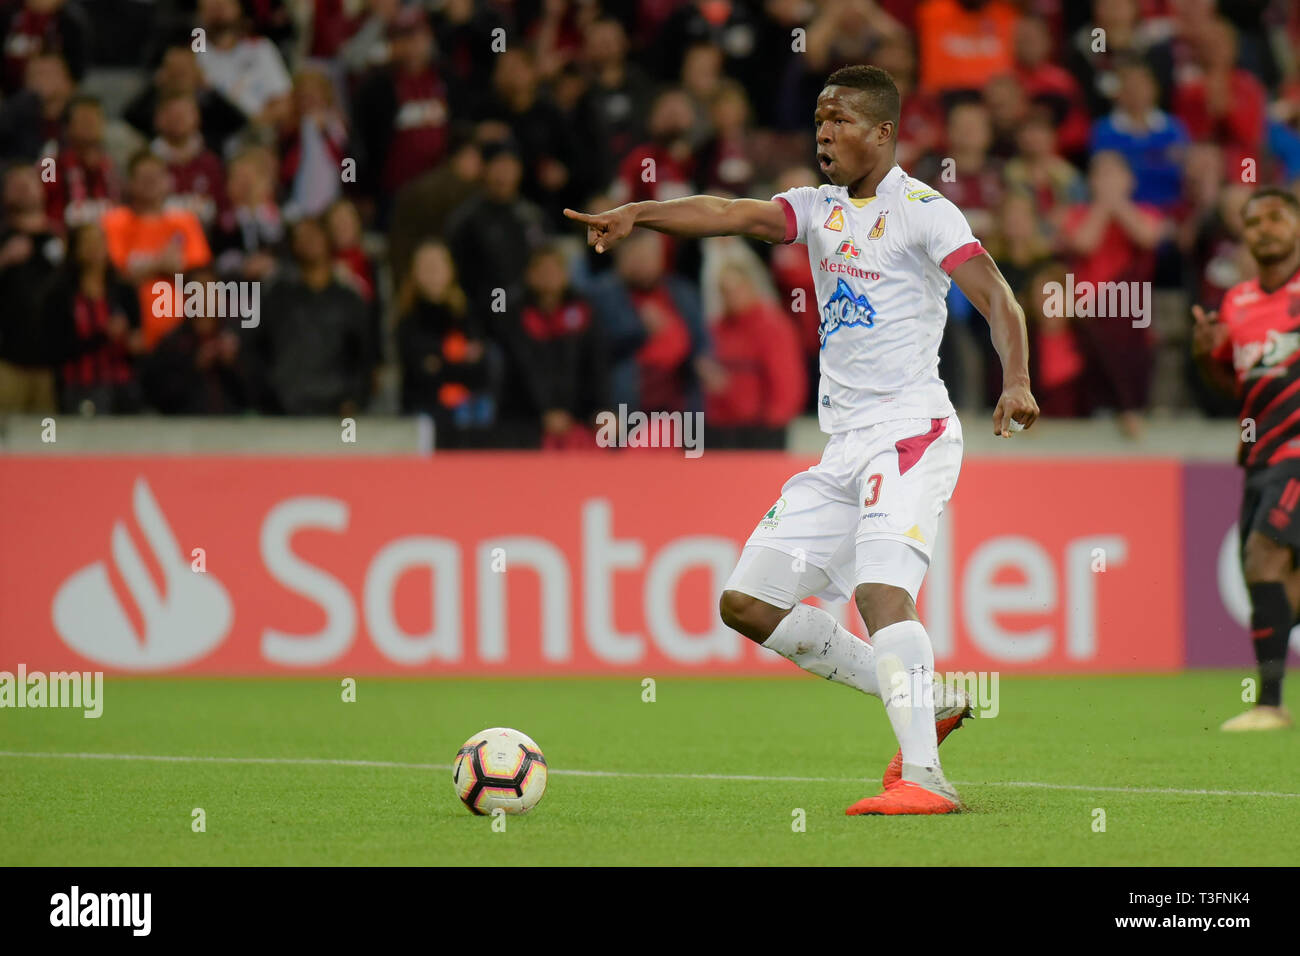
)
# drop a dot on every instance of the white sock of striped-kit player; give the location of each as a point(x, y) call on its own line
point(901, 659)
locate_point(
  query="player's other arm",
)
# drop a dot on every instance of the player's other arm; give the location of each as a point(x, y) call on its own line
point(979, 278)
point(1208, 336)
point(691, 217)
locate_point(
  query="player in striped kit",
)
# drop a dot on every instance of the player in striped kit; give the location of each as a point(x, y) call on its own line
point(883, 249)
point(1251, 347)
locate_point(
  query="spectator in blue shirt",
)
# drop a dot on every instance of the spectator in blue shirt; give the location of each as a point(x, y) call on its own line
point(1151, 140)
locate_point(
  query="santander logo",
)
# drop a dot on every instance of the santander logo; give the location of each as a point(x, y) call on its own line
point(182, 623)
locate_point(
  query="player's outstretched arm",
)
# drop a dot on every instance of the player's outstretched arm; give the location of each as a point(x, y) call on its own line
point(1208, 334)
point(691, 217)
point(979, 278)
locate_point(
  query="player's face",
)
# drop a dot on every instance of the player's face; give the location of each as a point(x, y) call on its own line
point(849, 142)
point(1271, 229)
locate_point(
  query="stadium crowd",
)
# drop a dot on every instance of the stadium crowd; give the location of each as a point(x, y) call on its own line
point(392, 177)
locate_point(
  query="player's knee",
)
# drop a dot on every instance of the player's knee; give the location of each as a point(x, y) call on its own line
point(1265, 560)
point(748, 615)
point(883, 604)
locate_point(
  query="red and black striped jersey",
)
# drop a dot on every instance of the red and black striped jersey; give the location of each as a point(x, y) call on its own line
point(1264, 346)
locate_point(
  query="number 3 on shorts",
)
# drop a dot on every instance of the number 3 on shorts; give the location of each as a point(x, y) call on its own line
point(873, 490)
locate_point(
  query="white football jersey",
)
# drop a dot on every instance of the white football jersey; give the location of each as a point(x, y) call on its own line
point(880, 267)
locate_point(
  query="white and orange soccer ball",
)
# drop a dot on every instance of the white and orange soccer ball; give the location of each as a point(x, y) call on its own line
point(499, 768)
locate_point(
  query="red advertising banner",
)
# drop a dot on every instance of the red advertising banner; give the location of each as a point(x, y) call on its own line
point(533, 564)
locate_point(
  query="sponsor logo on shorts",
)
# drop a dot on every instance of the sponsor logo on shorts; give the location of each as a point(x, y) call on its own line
point(773, 515)
point(877, 514)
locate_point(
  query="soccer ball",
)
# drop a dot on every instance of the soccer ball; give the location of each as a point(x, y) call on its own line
point(499, 768)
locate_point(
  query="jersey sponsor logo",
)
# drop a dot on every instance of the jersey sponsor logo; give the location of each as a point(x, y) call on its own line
point(826, 265)
point(1275, 349)
point(878, 229)
point(924, 195)
point(845, 307)
point(848, 249)
point(835, 221)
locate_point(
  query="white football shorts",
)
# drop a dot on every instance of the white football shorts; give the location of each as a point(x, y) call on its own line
point(867, 513)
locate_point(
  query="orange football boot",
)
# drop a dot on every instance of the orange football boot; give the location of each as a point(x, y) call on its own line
point(905, 797)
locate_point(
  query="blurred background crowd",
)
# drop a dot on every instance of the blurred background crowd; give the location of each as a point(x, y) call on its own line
point(392, 177)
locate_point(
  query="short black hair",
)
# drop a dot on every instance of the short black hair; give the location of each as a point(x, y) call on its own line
point(880, 94)
point(1276, 192)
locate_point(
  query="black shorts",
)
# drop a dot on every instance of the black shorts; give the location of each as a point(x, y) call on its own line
point(1270, 505)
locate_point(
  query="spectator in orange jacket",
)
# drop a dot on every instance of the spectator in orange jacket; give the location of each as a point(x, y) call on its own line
point(148, 243)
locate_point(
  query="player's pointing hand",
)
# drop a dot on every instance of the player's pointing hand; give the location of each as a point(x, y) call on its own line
point(1016, 410)
point(1208, 333)
point(604, 229)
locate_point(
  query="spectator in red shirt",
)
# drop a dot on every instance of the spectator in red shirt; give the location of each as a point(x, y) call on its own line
point(1047, 83)
point(197, 174)
point(1112, 239)
point(555, 36)
point(1057, 354)
point(332, 23)
point(401, 112)
point(753, 380)
point(1221, 102)
point(663, 167)
point(87, 184)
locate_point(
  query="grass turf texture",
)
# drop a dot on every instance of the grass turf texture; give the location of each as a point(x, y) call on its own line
point(1117, 732)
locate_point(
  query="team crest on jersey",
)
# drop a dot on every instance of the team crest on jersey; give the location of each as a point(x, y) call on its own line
point(848, 249)
point(773, 516)
point(844, 307)
point(878, 229)
point(835, 221)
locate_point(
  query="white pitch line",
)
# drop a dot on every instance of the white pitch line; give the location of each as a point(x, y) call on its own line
point(752, 778)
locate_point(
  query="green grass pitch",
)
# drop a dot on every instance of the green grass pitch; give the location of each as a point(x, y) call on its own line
point(664, 789)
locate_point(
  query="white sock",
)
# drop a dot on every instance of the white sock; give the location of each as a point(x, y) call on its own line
point(816, 642)
point(905, 671)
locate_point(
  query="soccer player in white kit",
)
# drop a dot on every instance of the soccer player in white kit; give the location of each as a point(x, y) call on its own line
point(883, 249)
